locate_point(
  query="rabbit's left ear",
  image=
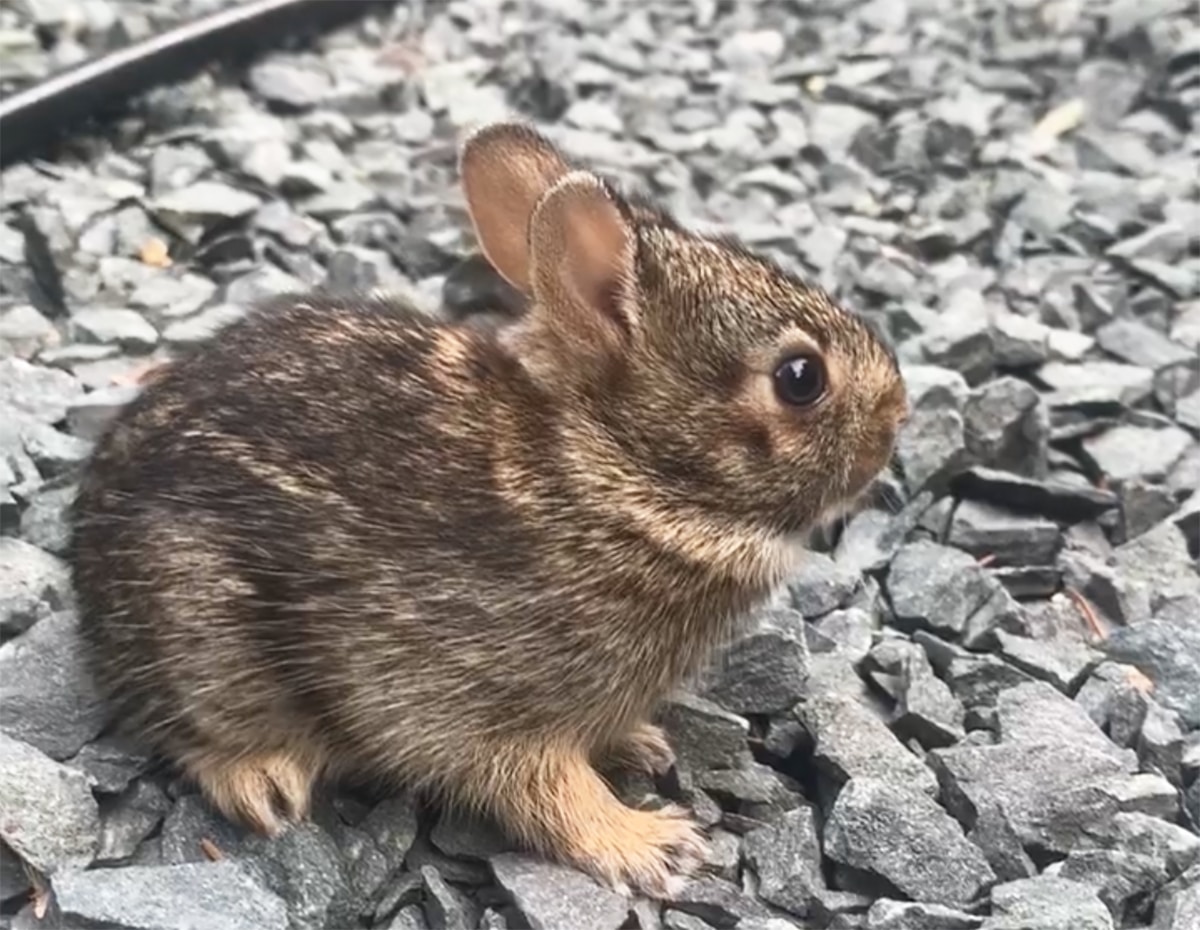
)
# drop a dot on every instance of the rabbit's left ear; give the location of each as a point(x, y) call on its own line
point(506, 169)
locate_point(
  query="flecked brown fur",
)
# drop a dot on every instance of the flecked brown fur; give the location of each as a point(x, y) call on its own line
point(343, 538)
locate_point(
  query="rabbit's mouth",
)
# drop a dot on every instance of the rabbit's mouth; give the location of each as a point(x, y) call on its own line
point(884, 493)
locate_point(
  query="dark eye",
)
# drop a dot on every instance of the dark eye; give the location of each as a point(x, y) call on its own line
point(800, 381)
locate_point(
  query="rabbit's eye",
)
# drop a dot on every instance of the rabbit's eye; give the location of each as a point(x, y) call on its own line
point(800, 381)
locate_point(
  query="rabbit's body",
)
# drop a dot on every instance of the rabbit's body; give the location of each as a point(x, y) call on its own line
point(344, 538)
point(293, 464)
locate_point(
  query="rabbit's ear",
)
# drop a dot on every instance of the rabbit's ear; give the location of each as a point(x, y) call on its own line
point(506, 168)
point(584, 265)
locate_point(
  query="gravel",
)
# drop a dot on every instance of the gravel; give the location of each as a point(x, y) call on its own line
point(549, 896)
point(906, 838)
point(974, 706)
point(173, 897)
point(51, 820)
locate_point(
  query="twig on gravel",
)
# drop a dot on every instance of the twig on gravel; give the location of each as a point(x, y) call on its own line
point(1089, 613)
point(211, 851)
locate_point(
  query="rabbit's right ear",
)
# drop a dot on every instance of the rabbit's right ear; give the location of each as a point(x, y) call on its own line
point(506, 168)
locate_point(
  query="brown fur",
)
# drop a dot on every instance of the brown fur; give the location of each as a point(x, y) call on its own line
point(342, 538)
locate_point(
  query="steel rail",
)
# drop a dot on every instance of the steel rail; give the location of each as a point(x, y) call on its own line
point(34, 117)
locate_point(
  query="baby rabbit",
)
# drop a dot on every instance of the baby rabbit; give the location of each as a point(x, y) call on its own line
point(344, 538)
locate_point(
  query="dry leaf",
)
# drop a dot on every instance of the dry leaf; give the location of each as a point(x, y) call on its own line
point(210, 849)
point(405, 56)
point(1058, 122)
point(139, 374)
point(1139, 681)
point(40, 896)
point(154, 252)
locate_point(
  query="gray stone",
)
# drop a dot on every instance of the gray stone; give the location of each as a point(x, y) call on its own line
point(718, 903)
point(1177, 280)
point(1144, 506)
point(189, 822)
point(1114, 698)
point(1134, 342)
point(550, 896)
point(1006, 427)
point(960, 338)
point(33, 583)
point(110, 763)
point(1116, 876)
point(937, 587)
point(464, 836)
point(1147, 575)
point(873, 536)
point(47, 697)
point(127, 328)
point(53, 452)
point(363, 865)
point(173, 897)
point(1011, 538)
point(899, 833)
point(997, 839)
point(1160, 743)
point(128, 819)
point(850, 741)
point(204, 325)
point(1178, 904)
point(89, 416)
point(932, 446)
point(1019, 342)
point(822, 585)
point(1097, 382)
point(43, 394)
point(298, 85)
point(445, 906)
point(678, 920)
point(261, 283)
point(14, 876)
point(925, 708)
point(1173, 848)
point(765, 670)
point(1130, 452)
point(724, 854)
point(45, 522)
point(409, 918)
point(843, 632)
point(173, 297)
point(1051, 792)
point(304, 867)
point(1050, 498)
point(207, 201)
point(886, 914)
point(1063, 663)
point(1046, 903)
point(703, 735)
point(751, 795)
point(1169, 655)
point(24, 331)
point(340, 199)
point(50, 818)
point(786, 856)
point(1036, 713)
point(1187, 411)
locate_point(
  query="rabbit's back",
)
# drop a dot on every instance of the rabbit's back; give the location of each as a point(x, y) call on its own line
point(264, 536)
